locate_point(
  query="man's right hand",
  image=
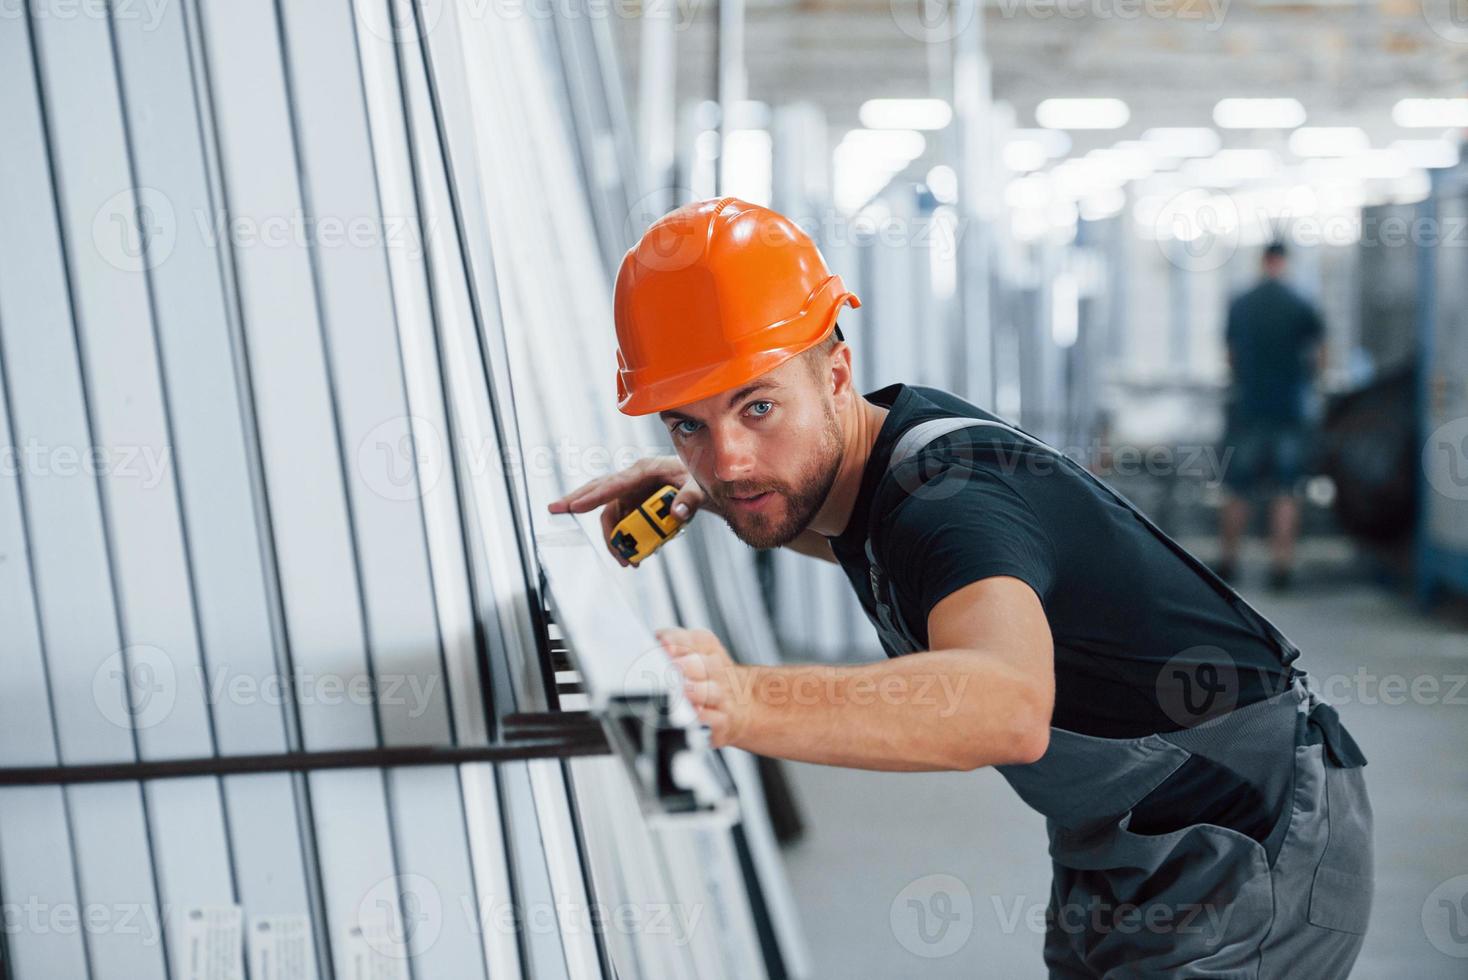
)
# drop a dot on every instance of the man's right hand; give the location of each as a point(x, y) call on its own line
point(623, 492)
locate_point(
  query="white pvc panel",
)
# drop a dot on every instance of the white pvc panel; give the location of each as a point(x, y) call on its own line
point(169, 141)
point(124, 384)
point(68, 547)
point(36, 871)
point(316, 555)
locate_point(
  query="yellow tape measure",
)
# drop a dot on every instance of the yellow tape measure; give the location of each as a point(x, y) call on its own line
point(647, 528)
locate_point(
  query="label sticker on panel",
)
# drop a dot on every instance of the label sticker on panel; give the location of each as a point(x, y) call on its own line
point(280, 948)
point(211, 945)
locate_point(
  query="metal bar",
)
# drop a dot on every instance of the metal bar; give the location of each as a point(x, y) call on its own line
point(569, 745)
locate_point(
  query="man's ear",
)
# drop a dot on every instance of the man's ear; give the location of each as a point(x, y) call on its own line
point(840, 371)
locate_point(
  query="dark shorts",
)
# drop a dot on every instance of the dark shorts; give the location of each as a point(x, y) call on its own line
point(1263, 456)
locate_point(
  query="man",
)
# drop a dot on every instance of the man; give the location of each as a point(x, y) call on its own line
point(1206, 814)
point(1273, 338)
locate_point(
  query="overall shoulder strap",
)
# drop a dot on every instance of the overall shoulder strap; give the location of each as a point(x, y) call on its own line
point(920, 435)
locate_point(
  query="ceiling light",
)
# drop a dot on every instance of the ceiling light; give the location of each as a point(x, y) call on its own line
point(1183, 141)
point(905, 113)
point(1259, 113)
point(1430, 113)
point(1328, 141)
point(1082, 113)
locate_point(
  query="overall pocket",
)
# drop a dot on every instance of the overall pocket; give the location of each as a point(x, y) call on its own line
point(1340, 894)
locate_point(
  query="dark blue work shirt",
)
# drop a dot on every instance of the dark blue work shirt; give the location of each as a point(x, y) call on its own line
point(1270, 334)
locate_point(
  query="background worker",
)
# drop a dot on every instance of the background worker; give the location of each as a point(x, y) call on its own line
point(1274, 350)
point(1033, 621)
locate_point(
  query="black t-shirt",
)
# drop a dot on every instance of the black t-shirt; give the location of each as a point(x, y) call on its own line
point(1124, 606)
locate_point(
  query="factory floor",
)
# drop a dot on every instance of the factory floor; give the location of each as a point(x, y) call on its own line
point(946, 875)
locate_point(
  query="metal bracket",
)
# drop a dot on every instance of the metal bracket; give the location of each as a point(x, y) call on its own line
point(630, 684)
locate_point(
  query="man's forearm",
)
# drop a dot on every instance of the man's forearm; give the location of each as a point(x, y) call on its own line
point(940, 710)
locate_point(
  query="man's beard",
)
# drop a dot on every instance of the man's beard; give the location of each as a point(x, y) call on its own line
point(802, 501)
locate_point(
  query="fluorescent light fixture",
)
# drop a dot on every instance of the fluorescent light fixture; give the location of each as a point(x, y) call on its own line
point(1183, 141)
point(895, 145)
point(905, 113)
point(1082, 113)
point(1428, 154)
point(1229, 168)
point(1055, 141)
point(1259, 113)
point(1119, 164)
point(1328, 141)
point(1431, 113)
point(866, 159)
point(1022, 156)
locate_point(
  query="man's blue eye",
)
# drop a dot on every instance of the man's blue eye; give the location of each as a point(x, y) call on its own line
point(769, 406)
point(682, 431)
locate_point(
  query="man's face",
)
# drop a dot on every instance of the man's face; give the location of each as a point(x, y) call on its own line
point(765, 454)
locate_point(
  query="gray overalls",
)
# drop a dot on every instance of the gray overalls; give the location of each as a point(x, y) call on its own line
point(1206, 900)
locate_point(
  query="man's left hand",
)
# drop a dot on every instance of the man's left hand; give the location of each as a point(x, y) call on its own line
point(714, 684)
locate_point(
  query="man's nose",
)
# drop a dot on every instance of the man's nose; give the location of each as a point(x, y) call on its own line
point(733, 453)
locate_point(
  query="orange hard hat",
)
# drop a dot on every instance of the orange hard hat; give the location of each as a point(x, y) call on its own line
point(713, 295)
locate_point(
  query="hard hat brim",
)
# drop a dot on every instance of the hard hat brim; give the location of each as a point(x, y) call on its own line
point(701, 383)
